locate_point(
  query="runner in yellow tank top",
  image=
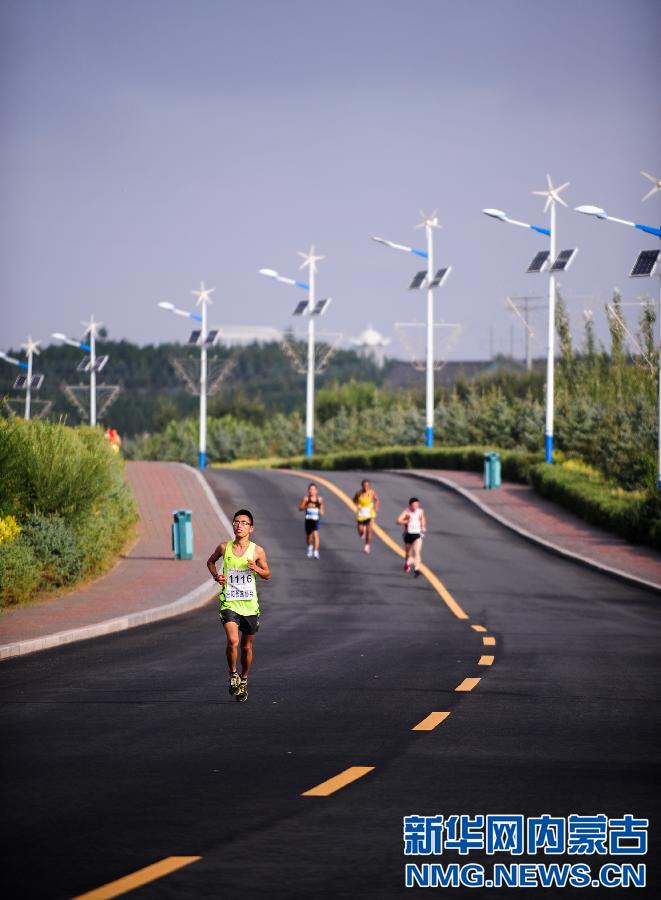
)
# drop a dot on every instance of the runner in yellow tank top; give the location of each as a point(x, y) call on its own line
point(367, 502)
point(239, 604)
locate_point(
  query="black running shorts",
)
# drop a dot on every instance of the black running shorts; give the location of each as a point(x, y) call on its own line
point(311, 525)
point(410, 538)
point(247, 624)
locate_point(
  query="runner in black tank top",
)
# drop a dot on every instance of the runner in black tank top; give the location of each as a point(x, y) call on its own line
point(313, 506)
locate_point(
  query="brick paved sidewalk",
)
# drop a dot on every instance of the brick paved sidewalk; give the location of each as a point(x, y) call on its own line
point(522, 508)
point(147, 576)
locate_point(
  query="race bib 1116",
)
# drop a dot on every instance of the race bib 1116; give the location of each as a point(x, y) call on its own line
point(240, 584)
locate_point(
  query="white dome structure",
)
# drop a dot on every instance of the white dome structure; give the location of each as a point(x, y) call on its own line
point(371, 345)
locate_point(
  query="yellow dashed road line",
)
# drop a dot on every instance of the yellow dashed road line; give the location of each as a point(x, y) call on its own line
point(432, 720)
point(485, 661)
point(138, 879)
point(468, 684)
point(489, 641)
point(353, 773)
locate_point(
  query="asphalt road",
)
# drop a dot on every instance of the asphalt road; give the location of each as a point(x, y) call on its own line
point(125, 750)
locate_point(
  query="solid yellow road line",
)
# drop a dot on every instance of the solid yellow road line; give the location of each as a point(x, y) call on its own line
point(137, 879)
point(353, 773)
point(435, 582)
point(468, 684)
point(432, 720)
point(478, 627)
point(485, 661)
point(489, 641)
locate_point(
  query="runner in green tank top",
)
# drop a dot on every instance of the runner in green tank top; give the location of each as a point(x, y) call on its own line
point(239, 604)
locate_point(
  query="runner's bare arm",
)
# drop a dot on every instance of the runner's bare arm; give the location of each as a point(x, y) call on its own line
point(423, 520)
point(377, 502)
point(217, 554)
point(303, 503)
point(403, 518)
point(259, 564)
point(322, 509)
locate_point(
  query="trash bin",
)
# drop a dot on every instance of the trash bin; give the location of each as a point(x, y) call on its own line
point(491, 470)
point(182, 534)
point(495, 470)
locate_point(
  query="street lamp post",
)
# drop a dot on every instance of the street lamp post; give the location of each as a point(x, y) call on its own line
point(649, 267)
point(429, 223)
point(203, 300)
point(552, 195)
point(92, 328)
point(311, 309)
point(30, 348)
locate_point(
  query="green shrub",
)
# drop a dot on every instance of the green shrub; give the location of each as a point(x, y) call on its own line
point(56, 548)
point(67, 491)
point(51, 469)
point(103, 531)
point(599, 502)
point(20, 571)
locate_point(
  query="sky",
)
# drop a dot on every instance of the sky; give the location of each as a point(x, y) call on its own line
point(146, 145)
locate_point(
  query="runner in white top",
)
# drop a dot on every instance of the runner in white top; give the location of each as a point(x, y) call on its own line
point(415, 524)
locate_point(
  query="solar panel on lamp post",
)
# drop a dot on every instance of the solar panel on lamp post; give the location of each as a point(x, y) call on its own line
point(31, 347)
point(92, 329)
point(552, 195)
point(431, 281)
point(311, 308)
point(646, 265)
point(203, 300)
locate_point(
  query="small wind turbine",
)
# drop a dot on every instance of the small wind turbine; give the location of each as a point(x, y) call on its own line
point(31, 347)
point(552, 195)
point(655, 181)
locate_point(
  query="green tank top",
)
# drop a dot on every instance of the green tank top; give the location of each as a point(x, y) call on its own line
point(240, 592)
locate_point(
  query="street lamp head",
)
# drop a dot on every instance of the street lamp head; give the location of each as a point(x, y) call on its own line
point(270, 273)
point(59, 336)
point(166, 305)
point(591, 211)
point(496, 214)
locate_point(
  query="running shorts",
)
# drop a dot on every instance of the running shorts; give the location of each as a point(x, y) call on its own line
point(410, 538)
point(311, 525)
point(247, 624)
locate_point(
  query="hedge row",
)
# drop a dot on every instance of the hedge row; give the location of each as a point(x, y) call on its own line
point(635, 515)
point(516, 464)
point(65, 489)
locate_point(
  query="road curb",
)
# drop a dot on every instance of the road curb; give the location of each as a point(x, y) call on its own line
point(199, 596)
point(529, 536)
